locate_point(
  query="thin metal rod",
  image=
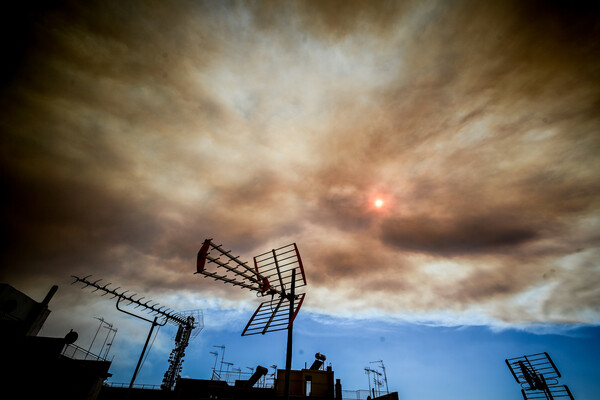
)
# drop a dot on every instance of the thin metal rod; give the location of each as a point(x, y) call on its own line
point(387, 389)
point(105, 339)
point(231, 257)
point(288, 357)
point(137, 368)
point(279, 274)
point(94, 339)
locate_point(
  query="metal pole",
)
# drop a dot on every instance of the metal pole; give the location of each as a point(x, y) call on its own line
point(222, 358)
point(288, 358)
point(109, 344)
point(105, 339)
point(227, 371)
point(137, 368)
point(214, 366)
point(387, 389)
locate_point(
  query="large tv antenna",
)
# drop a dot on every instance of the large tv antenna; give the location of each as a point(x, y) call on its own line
point(185, 321)
point(278, 273)
point(538, 376)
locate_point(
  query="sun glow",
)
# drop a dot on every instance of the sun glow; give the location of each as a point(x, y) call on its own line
point(378, 203)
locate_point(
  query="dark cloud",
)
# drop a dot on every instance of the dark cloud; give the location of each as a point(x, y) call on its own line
point(132, 132)
point(449, 237)
point(60, 224)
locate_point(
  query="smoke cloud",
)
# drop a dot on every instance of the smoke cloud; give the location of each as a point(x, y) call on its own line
point(133, 131)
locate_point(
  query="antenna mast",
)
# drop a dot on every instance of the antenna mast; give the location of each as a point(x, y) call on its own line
point(277, 272)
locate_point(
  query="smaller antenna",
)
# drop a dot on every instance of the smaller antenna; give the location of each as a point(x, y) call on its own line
point(538, 377)
point(384, 374)
point(215, 374)
point(376, 382)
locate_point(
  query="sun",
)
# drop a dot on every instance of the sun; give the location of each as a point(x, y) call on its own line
point(378, 203)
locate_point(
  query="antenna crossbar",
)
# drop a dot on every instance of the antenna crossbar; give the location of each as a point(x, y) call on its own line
point(154, 309)
point(225, 279)
point(219, 248)
point(270, 316)
point(236, 271)
point(277, 266)
point(238, 274)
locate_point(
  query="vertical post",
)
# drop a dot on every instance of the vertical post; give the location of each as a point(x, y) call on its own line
point(105, 339)
point(387, 389)
point(214, 366)
point(137, 368)
point(288, 358)
point(222, 358)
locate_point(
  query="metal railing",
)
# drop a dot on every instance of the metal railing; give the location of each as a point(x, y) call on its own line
point(355, 394)
point(77, 353)
point(230, 376)
point(135, 386)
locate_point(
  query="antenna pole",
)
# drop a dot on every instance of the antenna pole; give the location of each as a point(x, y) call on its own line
point(288, 358)
point(384, 374)
point(109, 326)
point(109, 344)
point(387, 389)
point(137, 368)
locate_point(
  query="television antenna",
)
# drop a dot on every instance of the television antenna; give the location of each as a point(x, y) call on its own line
point(228, 365)
point(376, 382)
point(110, 329)
point(384, 374)
point(214, 353)
point(239, 371)
point(186, 322)
point(278, 273)
point(538, 376)
point(215, 374)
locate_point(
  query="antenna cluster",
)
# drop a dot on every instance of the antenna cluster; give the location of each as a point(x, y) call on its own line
point(256, 376)
point(186, 323)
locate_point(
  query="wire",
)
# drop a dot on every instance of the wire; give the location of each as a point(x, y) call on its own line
point(148, 352)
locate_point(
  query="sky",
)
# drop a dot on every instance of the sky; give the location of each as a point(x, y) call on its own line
point(132, 131)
